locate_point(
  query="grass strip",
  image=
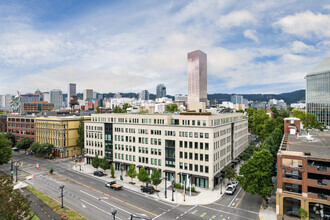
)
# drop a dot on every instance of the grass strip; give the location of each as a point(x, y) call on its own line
point(65, 213)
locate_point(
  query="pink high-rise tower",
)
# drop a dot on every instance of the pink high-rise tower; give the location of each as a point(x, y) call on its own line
point(197, 76)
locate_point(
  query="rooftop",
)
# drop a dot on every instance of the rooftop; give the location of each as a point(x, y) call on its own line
point(317, 146)
point(323, 67)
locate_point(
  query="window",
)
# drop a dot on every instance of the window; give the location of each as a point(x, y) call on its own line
point(181, 143)
point(201, 168)
point(201, 135)
point(196, 156)
point(206, 157)
point(201, 157)
point(185, 155)
point(196, 168)
point(196, 145)
point(206, 169)
point(185, 166)
point(190, 167)
point(181, 154)
point(206, 146)
point(185, 144)
point(206, 135)
point(201, 146)
point(181, 165)
point(190, 156)
point(190, 134)
point(190, 144)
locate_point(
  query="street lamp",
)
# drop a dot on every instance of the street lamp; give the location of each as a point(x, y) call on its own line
point(221, 185)
point(62, 187)
point(113, 213)
point(172, 189)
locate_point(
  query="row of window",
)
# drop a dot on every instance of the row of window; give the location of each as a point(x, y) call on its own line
point(217, 166)
point(221, 133)
point(21, 120)
point(94, 135)
point(220, 121)
point(94, 143)
point(125, 138)
point(222, 142)
point(94, 152)
point(21, 132)
point(127, 130)
point(201, 157)
point(21, 125)
point(94, 128)
point(194, 122)
point(202, 168)
point(219, 154)
point(193, 134)
point(196, 145)
point(128, 147)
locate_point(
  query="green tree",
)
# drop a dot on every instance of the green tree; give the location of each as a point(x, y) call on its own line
point(241, 111)
point(302, 213)
point(46, 149)
point(143, 175)
point(112, 170)
point(96, 162)
point(5, 149)
point(250, 112)
point(24, 143)
point(275, 111)
point(230, 173)
point(172, 108)
point(131, 172)
point(267, 127)
point(247, 154)
point(255, 174)
point(117, 109)
point(13, 204)
point(81, 135)
point(126, 106)
point(155, 177)
point(104, 164)
point(98, 110)
point(259, 118)
point(35, 147)
point(11, 137)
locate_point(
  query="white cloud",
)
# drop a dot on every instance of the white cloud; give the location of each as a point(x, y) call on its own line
point(326, 7)
point(305, 24)
point(300, 47)
point(236, 19)
point(251, 34)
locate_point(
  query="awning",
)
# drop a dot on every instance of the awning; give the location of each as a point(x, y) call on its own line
point(203, 177)
point(235, 161)
point(231, 164)
point(218, 175)
point(139, 166)
point(169, 171)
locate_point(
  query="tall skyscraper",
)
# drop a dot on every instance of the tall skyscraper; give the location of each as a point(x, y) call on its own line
point(160, 91)
point(144, 95)
point(197, 76)
point(56, 98)
point(88, 94)
point(318, 92)
point(71, 92)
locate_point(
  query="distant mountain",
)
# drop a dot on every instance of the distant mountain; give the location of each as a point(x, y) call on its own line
point(289, 97)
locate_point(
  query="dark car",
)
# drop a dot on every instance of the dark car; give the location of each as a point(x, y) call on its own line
point(98, 173)
point(148, 189)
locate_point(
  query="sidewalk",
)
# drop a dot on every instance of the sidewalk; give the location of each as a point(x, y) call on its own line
point(270, 212)
point(204, 196)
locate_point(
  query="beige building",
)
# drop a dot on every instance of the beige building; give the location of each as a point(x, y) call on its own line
point(62, 132)
point(189, 145)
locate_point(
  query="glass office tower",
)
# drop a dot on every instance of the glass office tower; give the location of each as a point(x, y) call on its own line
point(318, 92)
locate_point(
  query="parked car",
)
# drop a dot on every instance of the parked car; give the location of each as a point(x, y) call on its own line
point(234, 183)
point(98, 173)
point(230, 190)
point(15, 149)
point(148, 189)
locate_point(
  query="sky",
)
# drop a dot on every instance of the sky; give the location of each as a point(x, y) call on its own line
point(265, 46)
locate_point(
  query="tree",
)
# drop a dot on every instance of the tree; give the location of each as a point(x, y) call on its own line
point(13, 204)
point(275, 111)
point(241, 111)
point(230, 173)
point(24, 143)
point(259, 118)
point(35, 147)
point(247, 154)
point(267, 127)
point(98, 110)
point(81, 135)
point(126, 106)
point(255, 174)
point(5, 149)
point(155, 177)
point(302, 213)
point(131, 172)
point(250, 111)
point(112, 171)
point(117, 109)
point(104, 164)
point(11, 137)
point(45, 149)
point(96, 162)
point(143, 175)
point(172, 108)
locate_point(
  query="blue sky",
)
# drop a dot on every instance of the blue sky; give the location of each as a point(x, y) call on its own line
point(126, 46)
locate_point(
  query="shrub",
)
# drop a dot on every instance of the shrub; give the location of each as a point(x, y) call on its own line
point(51, 170)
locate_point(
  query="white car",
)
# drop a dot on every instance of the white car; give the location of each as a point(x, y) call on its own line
point(230, 190)
point(234, 183)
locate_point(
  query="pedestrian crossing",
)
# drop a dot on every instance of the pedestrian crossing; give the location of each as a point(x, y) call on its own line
point(205, 215)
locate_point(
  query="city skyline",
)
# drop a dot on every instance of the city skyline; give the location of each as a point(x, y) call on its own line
point(252, 48)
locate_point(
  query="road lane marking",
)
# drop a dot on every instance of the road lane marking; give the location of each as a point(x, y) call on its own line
point(202, 215)
point(235, 208)
point(213, 217)
point(225, 212)
point(97, 208)
point(194, 212)
point(240, 200)
point(235, 197)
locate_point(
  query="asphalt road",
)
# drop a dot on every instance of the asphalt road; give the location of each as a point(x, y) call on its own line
point(88, 196)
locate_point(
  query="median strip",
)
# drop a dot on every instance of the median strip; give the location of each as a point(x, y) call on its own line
point(65, 213)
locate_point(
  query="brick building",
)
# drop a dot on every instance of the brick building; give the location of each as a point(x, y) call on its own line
point(38, 106)
point(21, 126)
point(303, 174)
point(291, 126)
point(3, 123)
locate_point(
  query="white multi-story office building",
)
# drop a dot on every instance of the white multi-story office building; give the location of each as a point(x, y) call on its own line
point(56, 98)
point(189, 145)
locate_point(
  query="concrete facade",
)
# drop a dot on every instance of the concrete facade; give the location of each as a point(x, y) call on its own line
point(197, 146)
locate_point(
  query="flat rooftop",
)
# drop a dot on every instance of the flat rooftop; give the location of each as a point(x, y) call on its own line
point(318, 146)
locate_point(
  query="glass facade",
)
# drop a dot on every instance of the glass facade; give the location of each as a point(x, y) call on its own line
point(318, 96)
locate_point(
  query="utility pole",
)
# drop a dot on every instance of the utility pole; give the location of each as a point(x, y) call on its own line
point(172, 190)
point(62, 187)
point(165, 187)
point(12, 170)
point(221, 185)
point(16, 166)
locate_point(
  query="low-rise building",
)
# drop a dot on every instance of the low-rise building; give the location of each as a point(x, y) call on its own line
point(3, 123)
point(187, 145)
point(21, 126)
point(62, 132)
point(303, 174)
point(38, 106)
